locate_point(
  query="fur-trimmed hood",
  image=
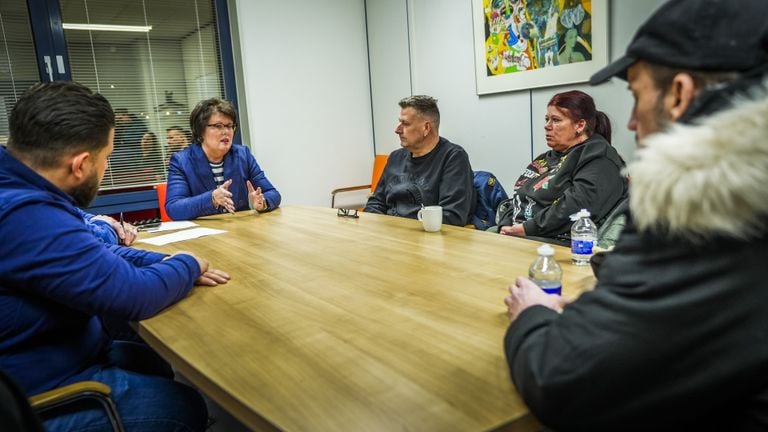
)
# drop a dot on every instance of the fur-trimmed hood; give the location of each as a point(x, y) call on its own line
point(708, 179)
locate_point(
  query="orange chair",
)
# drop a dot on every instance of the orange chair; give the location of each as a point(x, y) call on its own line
point(161, 190)
point(379, 162)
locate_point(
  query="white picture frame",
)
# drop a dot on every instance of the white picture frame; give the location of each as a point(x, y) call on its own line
point(560, 42)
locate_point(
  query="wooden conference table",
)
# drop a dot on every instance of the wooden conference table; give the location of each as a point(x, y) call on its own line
point(333, 323)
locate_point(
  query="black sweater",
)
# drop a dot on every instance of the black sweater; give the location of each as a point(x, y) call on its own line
point(442, 177)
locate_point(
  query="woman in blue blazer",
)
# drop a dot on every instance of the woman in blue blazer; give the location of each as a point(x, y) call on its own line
point(213, 175)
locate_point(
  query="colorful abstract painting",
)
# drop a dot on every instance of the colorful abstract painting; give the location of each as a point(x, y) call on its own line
point(529, 40)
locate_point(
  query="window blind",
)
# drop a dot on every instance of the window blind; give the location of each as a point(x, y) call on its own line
point(154, 68)
point(18, 66)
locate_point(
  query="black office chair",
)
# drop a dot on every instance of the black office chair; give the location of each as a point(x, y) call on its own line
point(71, 393)
point(21, 414)
point(16, 415)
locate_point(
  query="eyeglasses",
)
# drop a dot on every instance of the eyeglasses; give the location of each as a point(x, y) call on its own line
point(351, 213)
point(221, 126)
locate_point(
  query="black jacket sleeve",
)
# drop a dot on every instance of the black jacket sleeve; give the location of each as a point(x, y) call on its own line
point(597, 186)
point(457, 191)
point(667, 340)
point(377, 202)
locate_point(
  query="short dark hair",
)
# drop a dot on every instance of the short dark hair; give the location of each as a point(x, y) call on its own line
point(54, 119)
point(181, 130)
point(152, 136)
point(198, 118)
point(580, 105)
point(662, 76)
point(424, 105)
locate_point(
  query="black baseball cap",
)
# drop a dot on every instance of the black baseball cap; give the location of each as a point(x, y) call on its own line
point(706, 35)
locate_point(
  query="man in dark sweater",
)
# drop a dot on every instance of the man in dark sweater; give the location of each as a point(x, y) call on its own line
point(428, 170)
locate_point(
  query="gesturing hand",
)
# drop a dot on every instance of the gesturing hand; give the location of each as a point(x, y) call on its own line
point(255, 197)
point(222, 197)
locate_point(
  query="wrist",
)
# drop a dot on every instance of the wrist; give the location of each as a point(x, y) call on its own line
point(213, 200)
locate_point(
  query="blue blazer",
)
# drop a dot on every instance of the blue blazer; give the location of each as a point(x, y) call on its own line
point(191, 183)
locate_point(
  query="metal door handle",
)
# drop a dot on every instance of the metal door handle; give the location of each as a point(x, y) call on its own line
point(60, 64)
point(48, 68)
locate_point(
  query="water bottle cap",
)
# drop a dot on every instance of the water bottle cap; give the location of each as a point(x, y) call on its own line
point(580, 214)
point(545, 250)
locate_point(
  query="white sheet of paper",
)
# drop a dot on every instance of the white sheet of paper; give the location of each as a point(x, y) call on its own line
point(170, 226)
point(181, 236)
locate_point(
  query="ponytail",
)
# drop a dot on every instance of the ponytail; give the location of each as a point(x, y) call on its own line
point(603, 125)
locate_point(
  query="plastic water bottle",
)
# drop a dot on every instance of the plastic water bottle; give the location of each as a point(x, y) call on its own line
point(546, 272)
point(583, 237)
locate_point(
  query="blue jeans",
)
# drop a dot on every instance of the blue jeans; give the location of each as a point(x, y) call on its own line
point(143, 389)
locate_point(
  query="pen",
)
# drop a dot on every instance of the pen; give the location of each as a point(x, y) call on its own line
point(121, 240)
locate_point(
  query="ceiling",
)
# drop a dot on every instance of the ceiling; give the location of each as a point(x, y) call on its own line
point(170, 19)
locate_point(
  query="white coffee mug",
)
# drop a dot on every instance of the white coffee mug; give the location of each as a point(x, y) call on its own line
point(431, 217)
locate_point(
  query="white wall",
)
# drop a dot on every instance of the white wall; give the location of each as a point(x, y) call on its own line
point(310, 101)
point(305, 73)
point(502, 132)
point(613, 98)
point(493, 129)
point(390, 68)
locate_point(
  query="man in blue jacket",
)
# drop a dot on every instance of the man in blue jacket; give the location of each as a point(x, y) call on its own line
point(58, 279)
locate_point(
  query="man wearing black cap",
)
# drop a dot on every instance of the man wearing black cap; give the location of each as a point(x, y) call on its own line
point(674, 335)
